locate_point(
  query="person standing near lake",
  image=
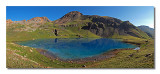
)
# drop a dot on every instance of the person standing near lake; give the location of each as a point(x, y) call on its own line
point(56, 32)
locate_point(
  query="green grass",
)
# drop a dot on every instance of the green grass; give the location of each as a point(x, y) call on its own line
point(17, 61)
point(141, 34)
point(47, 31)
point(123, 60)
point(26, 57)
point(33, 55)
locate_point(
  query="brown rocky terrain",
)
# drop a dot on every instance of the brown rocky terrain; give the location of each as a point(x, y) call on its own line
point(39, 20)
point(9, 21)
point(29, 25)
point(35, 20)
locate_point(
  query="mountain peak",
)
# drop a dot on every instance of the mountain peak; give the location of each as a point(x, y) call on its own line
point(9, 21)
point(74, 12)
point(72, 15)
point(69, 17)
point(144, 26)
point(40, 19)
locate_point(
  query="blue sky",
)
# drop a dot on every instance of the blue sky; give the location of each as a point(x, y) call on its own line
point(137, 15)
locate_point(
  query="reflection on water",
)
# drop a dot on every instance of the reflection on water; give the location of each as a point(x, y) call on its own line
point(76, 48)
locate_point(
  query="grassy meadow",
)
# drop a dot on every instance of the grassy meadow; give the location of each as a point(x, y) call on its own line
point(26, 57)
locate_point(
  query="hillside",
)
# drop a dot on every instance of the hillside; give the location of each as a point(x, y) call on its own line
point(75, 24)
point(35, 20)
point(103, 26)
point(148, 30)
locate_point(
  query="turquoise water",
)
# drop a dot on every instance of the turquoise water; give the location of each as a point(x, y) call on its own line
point(76, 48)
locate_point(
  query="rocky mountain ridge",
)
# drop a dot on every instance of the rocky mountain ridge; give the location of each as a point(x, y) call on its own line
point(35, 20)
point(103, 26)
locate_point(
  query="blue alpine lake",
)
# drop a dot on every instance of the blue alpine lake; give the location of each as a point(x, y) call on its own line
point(76, 48)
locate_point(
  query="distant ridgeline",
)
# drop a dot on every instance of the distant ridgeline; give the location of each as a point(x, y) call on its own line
point(80, 24)
point(148, 30)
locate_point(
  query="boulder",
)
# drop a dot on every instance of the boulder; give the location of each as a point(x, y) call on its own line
point(83, 65)
point(147, 55)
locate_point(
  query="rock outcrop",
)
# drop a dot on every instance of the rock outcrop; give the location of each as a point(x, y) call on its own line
point(107, 26)
point(9, 21)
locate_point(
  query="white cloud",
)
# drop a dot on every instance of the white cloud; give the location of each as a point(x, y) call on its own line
point(151, 25)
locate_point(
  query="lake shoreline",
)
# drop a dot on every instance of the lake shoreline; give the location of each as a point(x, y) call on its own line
point(103, 56)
